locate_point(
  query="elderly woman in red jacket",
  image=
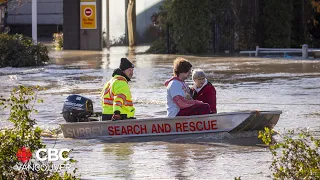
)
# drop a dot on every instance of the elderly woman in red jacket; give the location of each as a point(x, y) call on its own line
point(203, 90)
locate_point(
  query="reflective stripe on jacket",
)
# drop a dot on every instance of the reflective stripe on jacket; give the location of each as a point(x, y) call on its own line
point(116, 96)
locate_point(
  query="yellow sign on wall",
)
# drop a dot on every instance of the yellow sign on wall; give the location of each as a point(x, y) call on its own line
point(88, 15)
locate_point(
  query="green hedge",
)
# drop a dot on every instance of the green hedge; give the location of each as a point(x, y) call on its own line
point(19, 51)
point(189, 25)
point(268, 23)
point(25, 133)
point(277, 17)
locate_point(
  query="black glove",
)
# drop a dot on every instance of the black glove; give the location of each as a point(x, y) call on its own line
point(116, 116)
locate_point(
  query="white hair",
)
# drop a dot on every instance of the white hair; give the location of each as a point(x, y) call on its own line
point(198, 73)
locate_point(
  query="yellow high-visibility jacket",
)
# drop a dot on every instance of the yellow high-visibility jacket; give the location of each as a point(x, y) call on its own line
point(116, 95)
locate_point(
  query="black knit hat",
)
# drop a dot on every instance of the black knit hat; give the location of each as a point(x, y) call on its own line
point(125, 64)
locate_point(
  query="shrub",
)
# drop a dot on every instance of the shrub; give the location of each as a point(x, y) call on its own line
point(58, 41)
point(299, 157)
point(19, 51)
point(158, 47)
point(277, 17)
point(189, 24)
point(20, 103)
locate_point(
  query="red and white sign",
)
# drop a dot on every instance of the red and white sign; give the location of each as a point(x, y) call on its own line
point(88, 12)
point(145, 128)
point(88, 15)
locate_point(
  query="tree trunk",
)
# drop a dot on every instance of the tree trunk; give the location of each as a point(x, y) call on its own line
point(131, 23)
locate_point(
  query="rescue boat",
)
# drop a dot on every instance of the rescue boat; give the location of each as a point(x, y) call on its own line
point(82, 122)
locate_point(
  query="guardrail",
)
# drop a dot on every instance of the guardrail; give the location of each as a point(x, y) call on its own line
point(304, 51)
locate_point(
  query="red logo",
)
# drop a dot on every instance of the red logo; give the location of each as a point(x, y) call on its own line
point(88, 12)
point(24, 154)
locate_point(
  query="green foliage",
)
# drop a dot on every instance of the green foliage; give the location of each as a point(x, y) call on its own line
point(291, 23)
point(277, 17)
point(247, 33)
point(21, 103)
point(314, 23)
point(299, 157)
point(189, 23)
point(163, 18)
point(19, 51)
point(158, 47)
point(240, 24)
point(165, 14)
point(58, 41)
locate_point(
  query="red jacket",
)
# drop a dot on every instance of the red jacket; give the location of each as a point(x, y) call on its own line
point(207, 95)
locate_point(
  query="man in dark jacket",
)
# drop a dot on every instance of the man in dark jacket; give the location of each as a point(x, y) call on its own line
point(116, 96)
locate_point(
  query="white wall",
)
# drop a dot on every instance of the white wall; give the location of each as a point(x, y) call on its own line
point(117, 19)
point(49, 12)
point(104, 16)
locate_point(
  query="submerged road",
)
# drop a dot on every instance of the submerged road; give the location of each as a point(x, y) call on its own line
point(242, 83)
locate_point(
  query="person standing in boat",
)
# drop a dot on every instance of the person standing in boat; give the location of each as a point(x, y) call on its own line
point(179, 100)
point(203, 90)
point(116, 96)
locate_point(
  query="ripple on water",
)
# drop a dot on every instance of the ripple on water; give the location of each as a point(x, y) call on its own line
point(242, 83)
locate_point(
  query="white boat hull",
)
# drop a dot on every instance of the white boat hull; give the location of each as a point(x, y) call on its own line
point(221, 122)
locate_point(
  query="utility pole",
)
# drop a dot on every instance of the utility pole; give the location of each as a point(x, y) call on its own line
point(108, 25)
point(34, 22)
point(131, 22)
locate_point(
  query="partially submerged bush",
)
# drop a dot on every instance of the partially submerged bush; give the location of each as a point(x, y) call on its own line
point(19, 51)
point(299, 157)
point(158, 47)
point(23, 134)
point(58, 41)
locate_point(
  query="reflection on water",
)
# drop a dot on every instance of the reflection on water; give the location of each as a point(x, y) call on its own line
point(241, 83)
point(176, 157)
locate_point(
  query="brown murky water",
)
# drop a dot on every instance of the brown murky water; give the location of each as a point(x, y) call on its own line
point(242, 83)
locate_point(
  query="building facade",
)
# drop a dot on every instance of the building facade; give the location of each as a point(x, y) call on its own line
point(51, 17)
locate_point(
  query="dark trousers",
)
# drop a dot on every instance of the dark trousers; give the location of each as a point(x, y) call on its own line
point(197, 109)
point(106, 117)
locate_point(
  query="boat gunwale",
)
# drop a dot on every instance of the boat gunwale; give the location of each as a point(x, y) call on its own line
point(169, 118)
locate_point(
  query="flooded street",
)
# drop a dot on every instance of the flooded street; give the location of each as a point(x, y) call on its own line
point(242, 83)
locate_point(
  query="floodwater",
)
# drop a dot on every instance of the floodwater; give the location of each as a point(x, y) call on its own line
point(242, 83)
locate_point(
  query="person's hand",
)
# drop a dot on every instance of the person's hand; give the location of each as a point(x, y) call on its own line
point(199, 102)
point(116, 116)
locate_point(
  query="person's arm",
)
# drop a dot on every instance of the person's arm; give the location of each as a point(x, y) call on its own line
point(184, 103)
point(119, 98)
point(194, 93)
point(211, 100)
point(178, 95)
point(214, 108)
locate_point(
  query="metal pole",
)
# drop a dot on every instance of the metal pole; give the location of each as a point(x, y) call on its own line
point(1, 19)
point(108, 25)
point(257, 51)
point(34, 21)
point(305, 51)
point(168, 39)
